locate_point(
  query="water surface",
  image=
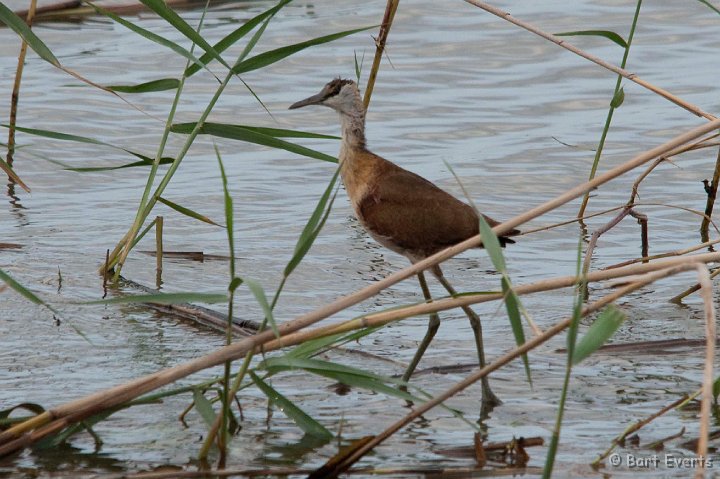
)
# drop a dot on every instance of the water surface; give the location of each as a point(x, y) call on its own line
point(465, 87)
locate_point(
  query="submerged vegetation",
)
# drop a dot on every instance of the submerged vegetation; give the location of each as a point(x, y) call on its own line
point(257, 351)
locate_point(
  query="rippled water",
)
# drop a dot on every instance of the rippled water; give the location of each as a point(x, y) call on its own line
point(465, 87)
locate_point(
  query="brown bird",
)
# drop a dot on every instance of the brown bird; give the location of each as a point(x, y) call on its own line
point(399, 209)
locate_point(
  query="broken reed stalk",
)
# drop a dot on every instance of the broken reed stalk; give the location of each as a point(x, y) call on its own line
point(14, 99)
point(380, 41)
point(66, 414)
point(16, 86)
point(636, 427)
point(691, 289)
point(678, 252)
point(642, 220)
point(596, 235)
point(158, 250)
point(598, 61)
point(385, 317)
point(707, 387)
point(711, 190)
point(501, 361)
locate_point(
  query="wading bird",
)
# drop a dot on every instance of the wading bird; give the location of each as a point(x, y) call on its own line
point(401, 210)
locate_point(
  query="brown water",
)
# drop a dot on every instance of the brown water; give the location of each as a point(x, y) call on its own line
point(464, 87)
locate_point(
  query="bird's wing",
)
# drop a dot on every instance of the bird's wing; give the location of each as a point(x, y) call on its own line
point(416, 215)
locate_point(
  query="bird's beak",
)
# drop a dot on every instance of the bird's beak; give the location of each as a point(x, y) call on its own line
point(313, 100)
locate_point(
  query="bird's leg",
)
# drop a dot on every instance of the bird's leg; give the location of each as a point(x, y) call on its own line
point(489, 399)
point(433, 326)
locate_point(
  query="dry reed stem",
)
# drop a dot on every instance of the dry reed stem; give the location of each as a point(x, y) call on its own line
point(600, 231)
point(691, 289)
point(609, 66)
point(14, 99)
point(443, 304)
point(678, 252)
point(636, 427)
point(84, 407)
point(159, 220)
point(504, 359)
point(712, 194)
point(380, 42)
point(648, 170)
point(707, 387)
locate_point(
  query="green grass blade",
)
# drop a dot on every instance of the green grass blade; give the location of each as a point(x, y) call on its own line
point(345, 374)
point(235, 284)
point(571, 341)
point(236, 35)
point(18, 25)
point(23, 291)
point(228, 130)
point(710, 6)
point(492, 245)
point(169, 15)
point(254, 136)
point(56, 135)
point(512, 302)
point(352, 377)
point(164, 298)
point(511, 305)
point(187, 211)
point(286, 363)
point(317, 214)
point(314, 346)
point(204, 407)
point(298, 416)
point(259, 294)
point(142, 234)
point(612, 36)
point(7, 169)
point(148, 35)
point(144, 162)
point(311, 232)
point(152, 86)
point(273, 56)
point(58, 439)
point(601, 330)
point(618, 98)
point(358, 66)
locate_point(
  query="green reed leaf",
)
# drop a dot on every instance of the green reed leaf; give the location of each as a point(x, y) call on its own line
point(19, 26)
point(259, 294)
point(599, 332)
point(23, 291)
point(204, 407)
point(148, 34)
point(273, 56)
point(255, 135)
point(147, 87)
point(298, 416)
point(169, 15)
point(612, 36)
point(187, 211)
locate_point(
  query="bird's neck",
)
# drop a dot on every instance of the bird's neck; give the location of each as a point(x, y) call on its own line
point(353, 130)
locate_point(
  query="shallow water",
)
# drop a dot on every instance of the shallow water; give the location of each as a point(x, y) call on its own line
point(465, 87)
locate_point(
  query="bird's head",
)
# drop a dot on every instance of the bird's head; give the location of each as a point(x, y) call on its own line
point(341, 95)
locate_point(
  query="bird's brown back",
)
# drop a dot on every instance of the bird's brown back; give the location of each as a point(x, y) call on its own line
point(406, 212)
